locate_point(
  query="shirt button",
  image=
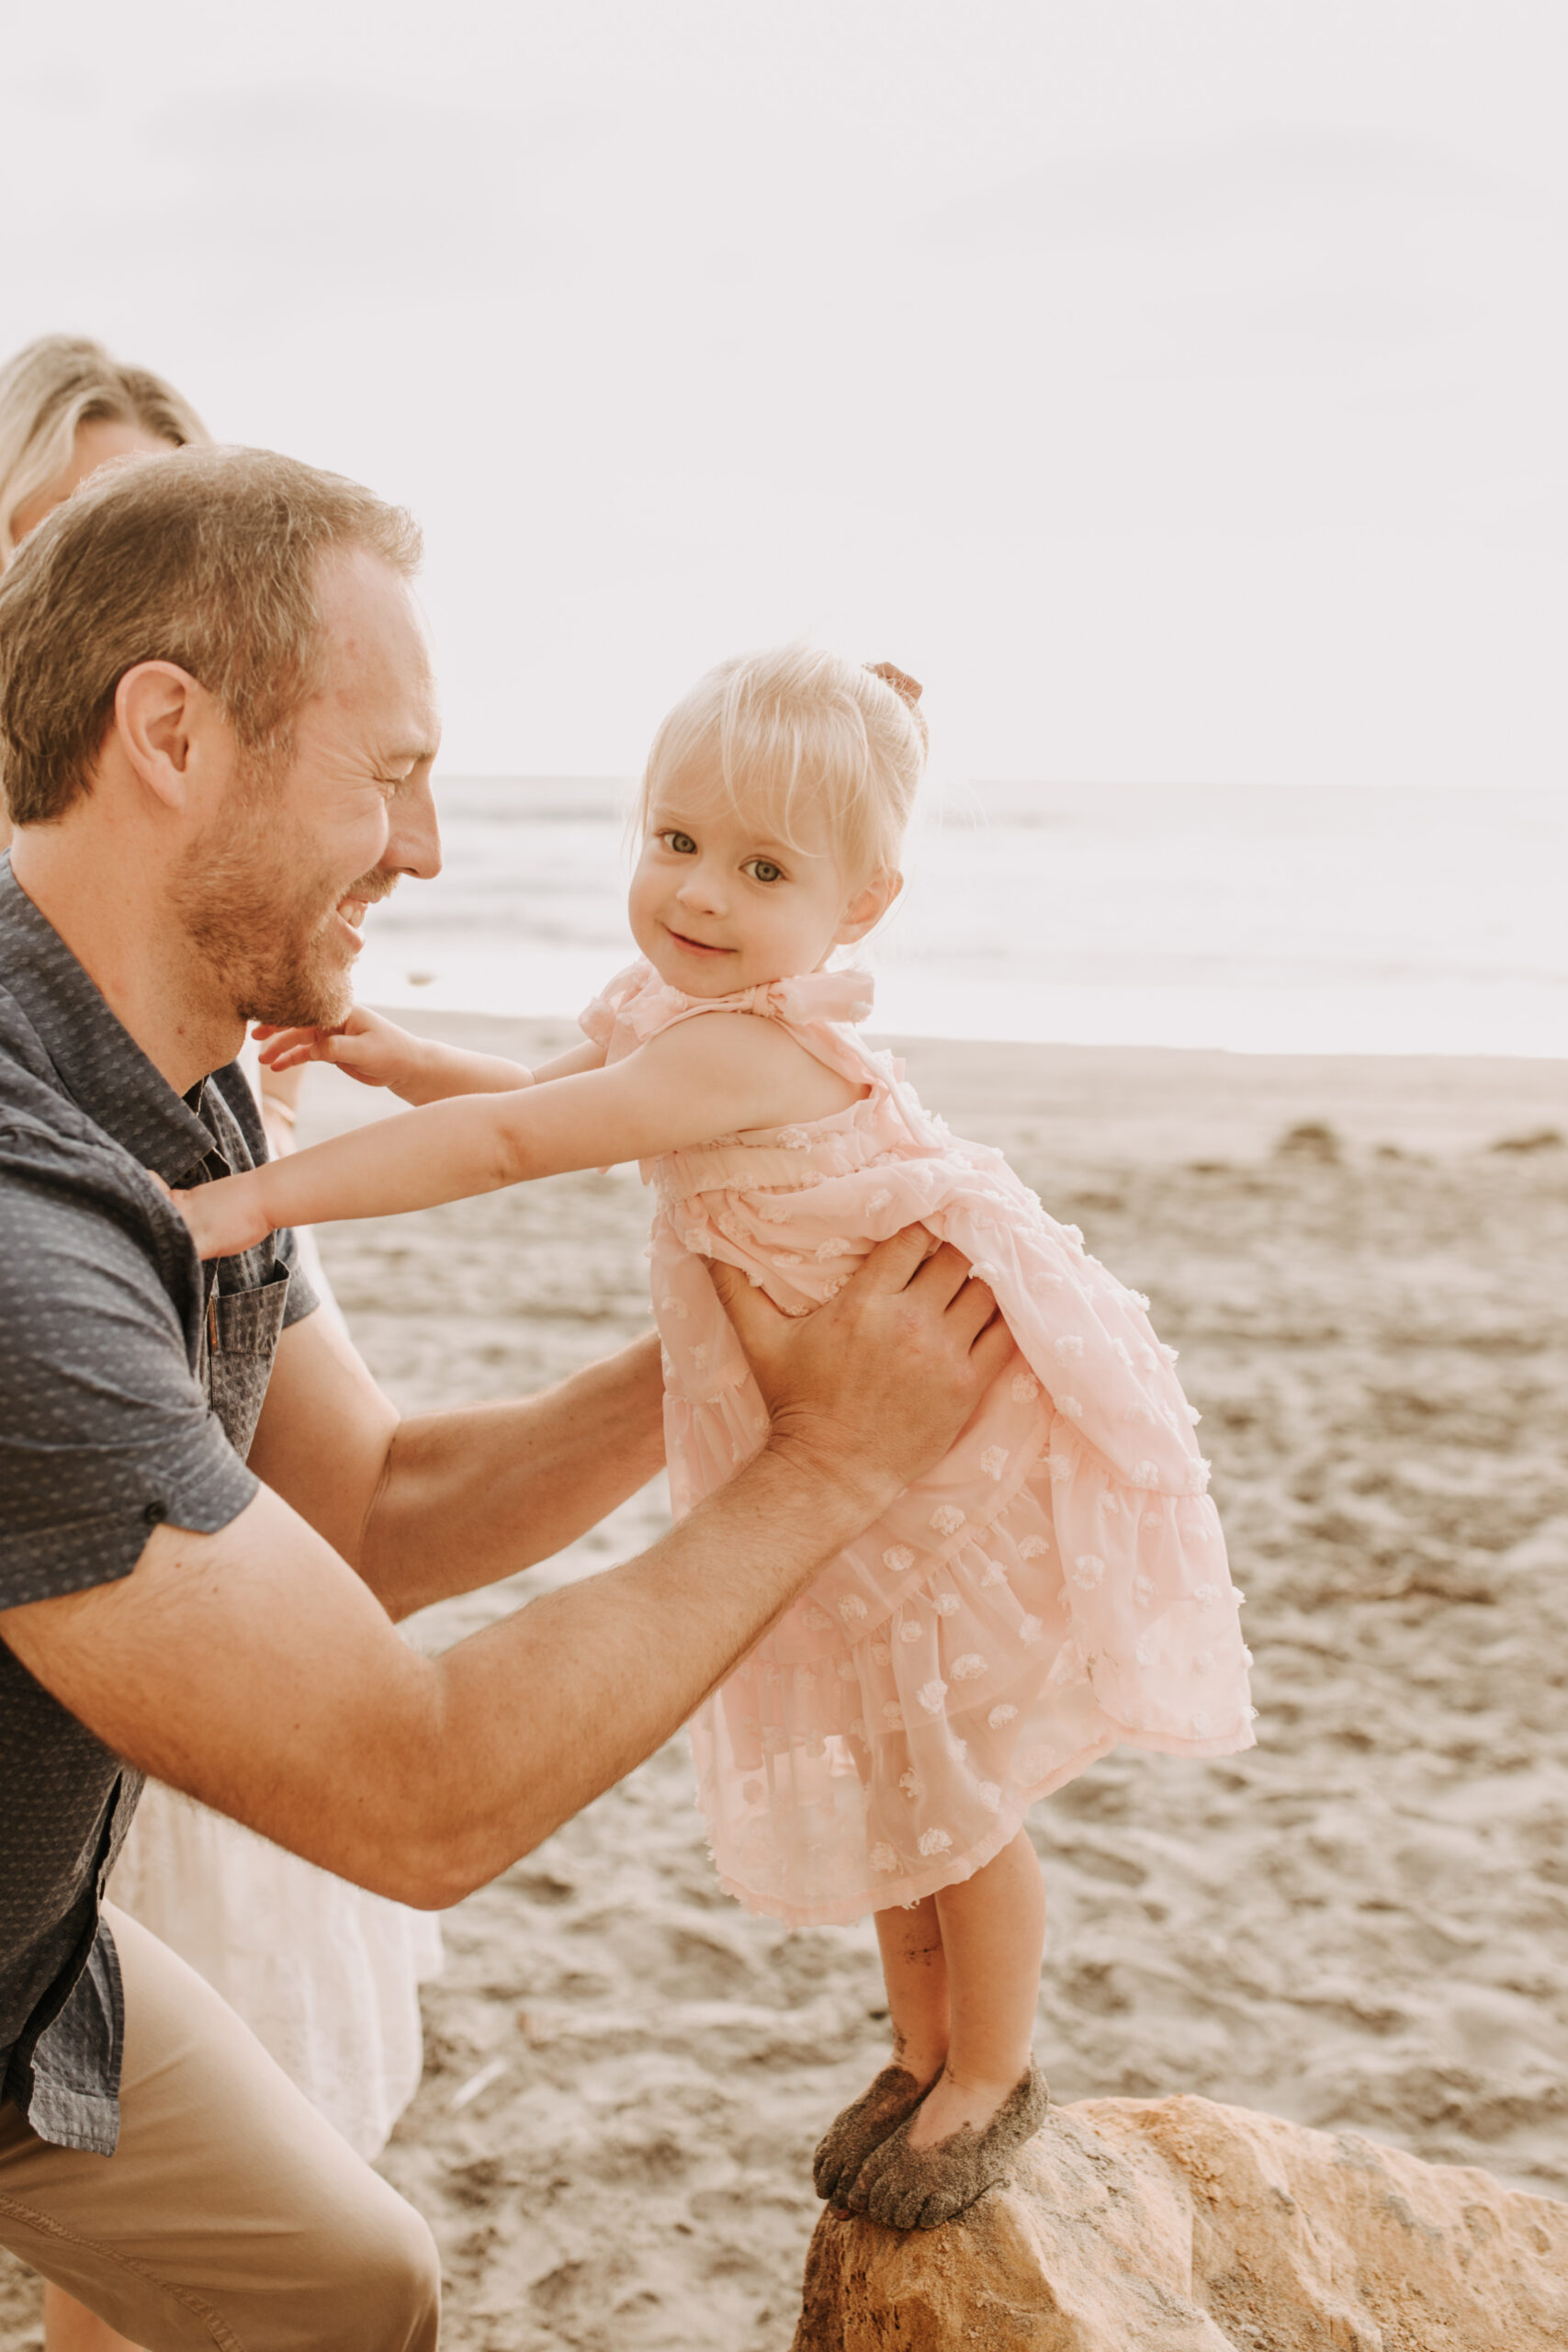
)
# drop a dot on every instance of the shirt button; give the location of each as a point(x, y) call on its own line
point(153, 1513)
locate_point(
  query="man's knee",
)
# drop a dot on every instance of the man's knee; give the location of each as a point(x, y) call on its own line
point(391, 2282)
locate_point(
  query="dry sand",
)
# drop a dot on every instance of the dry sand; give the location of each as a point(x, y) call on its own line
point(1363, 1923)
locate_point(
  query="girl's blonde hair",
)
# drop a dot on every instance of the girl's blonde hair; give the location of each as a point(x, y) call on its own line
point(800, 735)
point(59, 383)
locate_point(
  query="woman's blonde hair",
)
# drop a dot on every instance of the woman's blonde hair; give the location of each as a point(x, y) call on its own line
point(59, 383)
point(805, 738)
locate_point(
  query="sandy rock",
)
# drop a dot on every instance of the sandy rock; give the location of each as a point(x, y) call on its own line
point(1177, 2225)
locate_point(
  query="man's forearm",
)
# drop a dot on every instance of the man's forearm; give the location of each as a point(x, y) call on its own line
point(256, 1669)
point(474, 1495)
point(253, 1669)
point(543, 1711)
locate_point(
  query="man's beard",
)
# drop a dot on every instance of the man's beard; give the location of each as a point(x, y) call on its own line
point(263, 924)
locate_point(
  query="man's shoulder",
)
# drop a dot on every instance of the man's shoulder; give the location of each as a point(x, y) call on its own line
point(42, 1126)
point(74, 1199)
point(26, 1070)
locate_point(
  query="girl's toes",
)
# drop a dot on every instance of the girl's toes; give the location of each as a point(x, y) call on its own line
point(857, 2196)
point(883, 2180)
point(910, 2189)
point(941, 2205)
point(863, 2127)
point(896, 2203)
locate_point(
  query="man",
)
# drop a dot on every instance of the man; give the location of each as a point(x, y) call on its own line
point(217, 729)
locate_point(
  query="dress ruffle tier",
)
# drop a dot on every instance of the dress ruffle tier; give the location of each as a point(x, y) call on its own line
point(1056, 1586)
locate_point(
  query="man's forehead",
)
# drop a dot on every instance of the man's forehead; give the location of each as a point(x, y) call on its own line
point(367, 606)
point(378, 654)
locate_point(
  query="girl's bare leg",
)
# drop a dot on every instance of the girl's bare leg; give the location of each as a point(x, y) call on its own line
point(988, 2100)
point(70, 2326)
point(992, 1936)
point(914, 1969)
point(916, 1976)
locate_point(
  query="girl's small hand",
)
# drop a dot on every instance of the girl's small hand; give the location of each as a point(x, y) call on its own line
point(224, 1218)
point(366, 1046)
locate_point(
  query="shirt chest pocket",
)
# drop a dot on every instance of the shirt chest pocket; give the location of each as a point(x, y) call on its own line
point(243, 1330)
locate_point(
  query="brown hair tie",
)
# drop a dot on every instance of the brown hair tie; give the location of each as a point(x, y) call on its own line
point(908, 689)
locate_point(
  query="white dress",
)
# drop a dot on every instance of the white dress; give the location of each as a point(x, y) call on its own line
point(325, 1975)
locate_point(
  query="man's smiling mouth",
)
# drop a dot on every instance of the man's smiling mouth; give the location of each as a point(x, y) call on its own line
point(350, 912)
point(353, 907)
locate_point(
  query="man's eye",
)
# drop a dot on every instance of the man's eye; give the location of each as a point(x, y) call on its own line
point(682, 843)
point(762, 870)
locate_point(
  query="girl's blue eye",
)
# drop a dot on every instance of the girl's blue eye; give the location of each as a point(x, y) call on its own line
point(762, 870)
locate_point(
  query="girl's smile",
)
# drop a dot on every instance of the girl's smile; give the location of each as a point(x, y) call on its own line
point(719, 906)
point(700, 947)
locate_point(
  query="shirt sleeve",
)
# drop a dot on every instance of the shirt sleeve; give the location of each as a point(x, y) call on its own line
point(103, 1428)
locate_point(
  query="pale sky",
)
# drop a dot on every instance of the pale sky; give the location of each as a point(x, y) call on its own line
point(1176, 386)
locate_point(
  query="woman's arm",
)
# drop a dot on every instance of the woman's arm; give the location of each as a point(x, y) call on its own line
point(702, 1079)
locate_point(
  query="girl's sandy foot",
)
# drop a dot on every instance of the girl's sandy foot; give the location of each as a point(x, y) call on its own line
point(917, 2189)
point(851, 2137)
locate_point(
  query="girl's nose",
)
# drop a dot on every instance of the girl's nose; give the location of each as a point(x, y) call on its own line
point(704, 890)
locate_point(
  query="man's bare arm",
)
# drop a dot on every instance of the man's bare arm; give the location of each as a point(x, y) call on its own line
point(444, 1502)
point(254, 1669)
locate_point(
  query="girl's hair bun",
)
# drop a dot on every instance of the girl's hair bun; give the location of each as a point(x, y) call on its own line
point(906, 687)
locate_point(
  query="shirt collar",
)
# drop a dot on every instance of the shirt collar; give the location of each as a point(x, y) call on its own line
point(96, 1061)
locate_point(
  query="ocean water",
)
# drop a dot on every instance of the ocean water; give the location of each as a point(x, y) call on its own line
point(1253, 918)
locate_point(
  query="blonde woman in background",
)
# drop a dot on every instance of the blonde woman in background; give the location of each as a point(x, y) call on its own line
point(324, 1975)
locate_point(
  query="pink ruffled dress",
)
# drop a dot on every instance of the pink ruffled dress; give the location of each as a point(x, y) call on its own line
point(1056, 1586)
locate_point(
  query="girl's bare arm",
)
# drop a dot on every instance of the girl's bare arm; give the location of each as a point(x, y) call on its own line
point(689, 1083)
point(370, 1048)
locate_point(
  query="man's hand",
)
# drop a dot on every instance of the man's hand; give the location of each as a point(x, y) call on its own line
point(873, 1388)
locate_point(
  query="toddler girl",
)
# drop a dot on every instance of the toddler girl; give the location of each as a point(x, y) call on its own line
point(1057, 1584)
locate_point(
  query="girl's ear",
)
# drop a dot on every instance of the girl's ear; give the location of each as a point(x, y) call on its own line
point(868, 906)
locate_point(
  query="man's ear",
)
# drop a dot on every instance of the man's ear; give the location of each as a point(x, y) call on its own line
point(868, 906)
point(159, 709)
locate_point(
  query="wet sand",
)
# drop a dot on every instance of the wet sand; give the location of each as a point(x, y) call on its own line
point(1362, 1923)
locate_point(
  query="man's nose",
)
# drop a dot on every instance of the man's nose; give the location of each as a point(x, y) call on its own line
point(414, 840)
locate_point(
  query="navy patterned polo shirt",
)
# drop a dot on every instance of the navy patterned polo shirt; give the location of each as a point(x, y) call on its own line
point(131, 1379)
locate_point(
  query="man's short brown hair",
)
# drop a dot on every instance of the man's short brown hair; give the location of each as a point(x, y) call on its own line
point(207, 558)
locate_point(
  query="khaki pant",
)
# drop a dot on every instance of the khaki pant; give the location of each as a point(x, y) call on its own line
point(230, 2213)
